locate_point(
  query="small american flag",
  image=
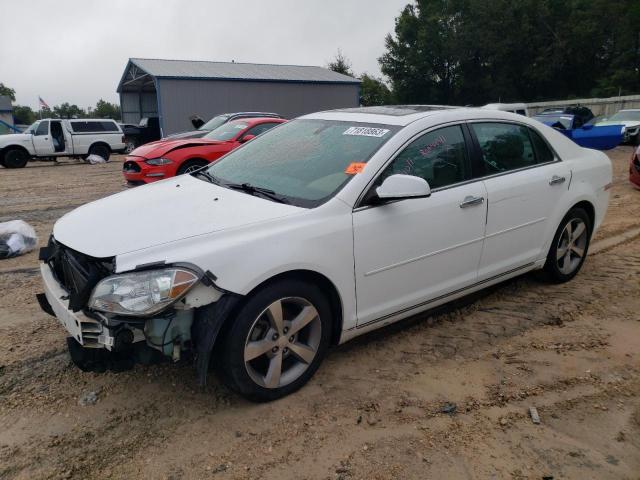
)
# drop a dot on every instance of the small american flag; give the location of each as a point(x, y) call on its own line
point(43, 104)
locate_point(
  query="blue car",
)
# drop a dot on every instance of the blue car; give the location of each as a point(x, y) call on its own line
point(589, 136)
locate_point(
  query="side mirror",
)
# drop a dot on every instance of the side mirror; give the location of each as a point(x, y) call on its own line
point(247, 137)
point(397, 187)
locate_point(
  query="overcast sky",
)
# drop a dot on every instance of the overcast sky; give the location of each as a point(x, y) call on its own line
point(76, 50)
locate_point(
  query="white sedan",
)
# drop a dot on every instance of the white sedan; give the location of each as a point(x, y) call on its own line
point(320, 230)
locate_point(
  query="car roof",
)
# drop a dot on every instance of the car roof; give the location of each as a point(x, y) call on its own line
point(388, 114)
point(403, 115)
point(257, 120)
point(248, 114)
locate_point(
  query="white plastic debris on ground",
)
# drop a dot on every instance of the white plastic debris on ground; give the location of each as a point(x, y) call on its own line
point(16, 238)
point(93, 159)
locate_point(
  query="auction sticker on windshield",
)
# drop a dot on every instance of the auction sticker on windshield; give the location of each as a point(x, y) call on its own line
point(366, 131)
point(354, 168)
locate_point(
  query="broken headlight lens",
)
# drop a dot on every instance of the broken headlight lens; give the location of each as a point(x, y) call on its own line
point(158, 161)
point(142, 293)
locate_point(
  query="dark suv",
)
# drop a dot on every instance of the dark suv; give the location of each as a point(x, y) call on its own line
point(218, 120)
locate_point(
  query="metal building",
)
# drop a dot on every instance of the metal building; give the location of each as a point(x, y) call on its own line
point(174, 90)
point(6, 115)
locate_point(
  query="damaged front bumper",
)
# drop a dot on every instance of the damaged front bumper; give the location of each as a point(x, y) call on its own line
point(98, 340)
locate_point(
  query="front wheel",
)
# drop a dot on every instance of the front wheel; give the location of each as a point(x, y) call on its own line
point(277, 341)
point(15, 158)
point(569, 247)
point(191, 166)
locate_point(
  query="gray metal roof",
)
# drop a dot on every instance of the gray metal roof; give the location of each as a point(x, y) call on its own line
point(5, 104)
point(239, 71)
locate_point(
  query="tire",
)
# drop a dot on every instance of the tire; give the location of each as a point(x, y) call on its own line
point(260, 358)
point(568, 250)
point(130, 145)
point(15, 158)
point(100, 150)
point(191, 165)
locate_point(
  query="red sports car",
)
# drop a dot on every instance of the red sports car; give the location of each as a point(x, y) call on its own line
point(634, 168)
point(166, 158)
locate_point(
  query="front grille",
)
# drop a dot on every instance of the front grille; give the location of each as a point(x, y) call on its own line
point(76, 272)
point(130, 166)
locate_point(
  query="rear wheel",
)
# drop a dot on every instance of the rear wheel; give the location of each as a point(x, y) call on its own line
point(191, 166)
point(569, 247)
point(130, 145)
point(277, 341)
point(15, 158)
point(100, 150)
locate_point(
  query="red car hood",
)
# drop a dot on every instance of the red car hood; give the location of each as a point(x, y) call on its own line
point(162, 147)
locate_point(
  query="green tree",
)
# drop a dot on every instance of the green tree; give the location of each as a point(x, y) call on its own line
point(106, 110)
point(474, 51)
point(9, 92)
point(23, 115)
point(340, 64)
point(65, 110)
point(373, 91)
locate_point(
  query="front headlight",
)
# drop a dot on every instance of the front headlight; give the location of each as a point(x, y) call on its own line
point(158, 161)
point(142, 293)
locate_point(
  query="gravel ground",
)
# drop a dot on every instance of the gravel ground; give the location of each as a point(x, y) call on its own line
point(375, 408)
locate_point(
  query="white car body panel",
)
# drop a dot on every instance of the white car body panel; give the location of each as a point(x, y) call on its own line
point(406, 252)
point(397, 265)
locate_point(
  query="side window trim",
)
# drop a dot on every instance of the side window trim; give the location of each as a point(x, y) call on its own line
point(469, 149)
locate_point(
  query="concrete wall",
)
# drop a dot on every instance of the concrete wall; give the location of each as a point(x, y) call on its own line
point(178, 99)
point(599, 106)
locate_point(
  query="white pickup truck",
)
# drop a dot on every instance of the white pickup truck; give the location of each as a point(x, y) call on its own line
point(50, 138)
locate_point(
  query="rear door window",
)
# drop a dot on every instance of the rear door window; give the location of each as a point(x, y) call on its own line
point(504, 146)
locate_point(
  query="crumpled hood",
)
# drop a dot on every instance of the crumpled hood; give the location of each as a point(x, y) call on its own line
point(162, 147)
point(160, 213)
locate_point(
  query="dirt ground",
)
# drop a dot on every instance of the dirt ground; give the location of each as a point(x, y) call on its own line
point(373, 410)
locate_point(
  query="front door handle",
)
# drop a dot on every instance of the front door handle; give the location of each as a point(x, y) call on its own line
point(556, 180)
point(470, 201)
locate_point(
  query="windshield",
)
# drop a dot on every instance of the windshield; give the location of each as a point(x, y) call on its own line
point(214, 123)
point(565, 121)
point(625, 116)
point(33, 127)
point(227, 131)
point(304, 161)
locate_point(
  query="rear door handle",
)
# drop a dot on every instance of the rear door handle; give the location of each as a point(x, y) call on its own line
point(556, 180)
point(470, 201)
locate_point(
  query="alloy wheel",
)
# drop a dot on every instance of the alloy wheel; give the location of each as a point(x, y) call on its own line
point(282, 342)
point(571, 246)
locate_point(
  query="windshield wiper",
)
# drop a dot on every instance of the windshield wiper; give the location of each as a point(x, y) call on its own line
point(204, 173)
point(252, 190)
